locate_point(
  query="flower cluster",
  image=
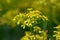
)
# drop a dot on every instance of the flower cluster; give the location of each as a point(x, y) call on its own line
point(57, 33)
point(29, 18)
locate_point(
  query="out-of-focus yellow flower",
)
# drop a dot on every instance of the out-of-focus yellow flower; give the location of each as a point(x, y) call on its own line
point(27, 36)
point(37, 36)
point(18, 22)
point(57, 33)
point(29, 9)
point(36, 11)
point(36, 28)
point(57, 26)
point(27, 33)
point(40, 31)
point(23, 26)
point(44, 17)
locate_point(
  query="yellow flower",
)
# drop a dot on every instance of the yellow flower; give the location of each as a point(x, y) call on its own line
point(57, 26)
point(27, 33)
point(37, 36)
point(40, 31)
point(36, 11)
point(23, 26)
point(29, 9)
point(44, 17)
point(36, 28)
